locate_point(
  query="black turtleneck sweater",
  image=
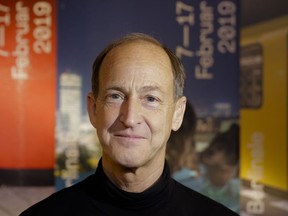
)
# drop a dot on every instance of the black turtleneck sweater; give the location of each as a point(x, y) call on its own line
point(97, 195)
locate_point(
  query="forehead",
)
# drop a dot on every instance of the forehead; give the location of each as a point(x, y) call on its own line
point(138, 51)
point(139, 60)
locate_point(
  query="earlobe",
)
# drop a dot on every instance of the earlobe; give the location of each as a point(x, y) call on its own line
point(179, 113)
point(91, 108)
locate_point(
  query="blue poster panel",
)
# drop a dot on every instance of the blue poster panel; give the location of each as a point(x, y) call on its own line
point(205, 36)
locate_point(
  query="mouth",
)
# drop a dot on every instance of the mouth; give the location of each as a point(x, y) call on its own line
point(129, 138)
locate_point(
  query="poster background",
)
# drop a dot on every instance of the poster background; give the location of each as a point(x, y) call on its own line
point(204, 34)
point(264, 116)
point(27, 91)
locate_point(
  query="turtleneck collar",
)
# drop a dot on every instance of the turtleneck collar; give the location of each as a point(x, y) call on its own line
point(105, 191)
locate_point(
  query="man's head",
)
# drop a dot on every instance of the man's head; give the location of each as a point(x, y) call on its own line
point(133, 105)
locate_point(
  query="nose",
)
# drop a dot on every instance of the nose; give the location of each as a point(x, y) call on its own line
point(130, 112)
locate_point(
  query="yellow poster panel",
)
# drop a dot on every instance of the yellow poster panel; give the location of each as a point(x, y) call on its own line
point(264, 103)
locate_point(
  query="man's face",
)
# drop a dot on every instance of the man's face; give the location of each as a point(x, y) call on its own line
point(135, 110)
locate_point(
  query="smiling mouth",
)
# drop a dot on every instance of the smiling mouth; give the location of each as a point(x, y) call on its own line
point(129, 136)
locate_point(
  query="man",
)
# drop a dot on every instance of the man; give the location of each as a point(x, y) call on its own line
point(136, 100)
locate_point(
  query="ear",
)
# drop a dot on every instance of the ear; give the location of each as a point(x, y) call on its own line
point(91, 108)
point(179, 113)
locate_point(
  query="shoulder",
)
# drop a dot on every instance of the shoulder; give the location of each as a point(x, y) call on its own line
point(64, 201)
point(196, 202)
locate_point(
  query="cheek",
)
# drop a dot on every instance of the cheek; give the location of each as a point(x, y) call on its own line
point(105, 119)
point(167, 122)
point(160, 125)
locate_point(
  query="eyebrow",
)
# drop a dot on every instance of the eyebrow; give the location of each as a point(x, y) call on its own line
point(150, 88)
point(142, 89)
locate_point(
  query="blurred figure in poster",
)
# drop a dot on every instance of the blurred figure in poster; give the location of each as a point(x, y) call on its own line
point(219, 168)
point(214, 171)
point(181, 154)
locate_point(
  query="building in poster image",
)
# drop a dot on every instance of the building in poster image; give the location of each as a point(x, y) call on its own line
point(70, 108)
point(77, 151)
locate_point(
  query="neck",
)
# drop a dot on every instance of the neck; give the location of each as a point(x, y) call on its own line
point(134, 180)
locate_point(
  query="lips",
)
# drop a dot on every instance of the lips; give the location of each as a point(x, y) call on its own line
point(131, 136)
point(128, 139)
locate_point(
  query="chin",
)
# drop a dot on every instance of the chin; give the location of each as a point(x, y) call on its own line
point(133, 164)
point(130, 161)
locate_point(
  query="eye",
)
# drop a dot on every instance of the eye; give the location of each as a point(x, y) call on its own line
point(113, 97)
point(151, 99)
